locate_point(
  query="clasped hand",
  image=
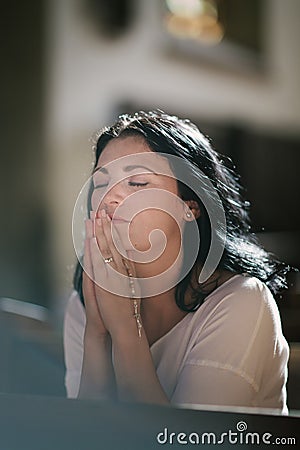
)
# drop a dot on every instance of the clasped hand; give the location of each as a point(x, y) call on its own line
point(108, 287)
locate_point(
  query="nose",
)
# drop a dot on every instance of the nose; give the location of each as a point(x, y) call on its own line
point(114, 196)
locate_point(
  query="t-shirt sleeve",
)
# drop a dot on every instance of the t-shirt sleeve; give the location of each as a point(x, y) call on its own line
point(74, 326)
point(239, 355)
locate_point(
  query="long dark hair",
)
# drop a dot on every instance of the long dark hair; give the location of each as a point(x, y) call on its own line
point(242, 253)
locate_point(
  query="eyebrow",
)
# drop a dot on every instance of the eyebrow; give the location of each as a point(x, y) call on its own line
point(126, 169)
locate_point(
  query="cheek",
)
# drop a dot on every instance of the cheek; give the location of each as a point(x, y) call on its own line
point(146, 222)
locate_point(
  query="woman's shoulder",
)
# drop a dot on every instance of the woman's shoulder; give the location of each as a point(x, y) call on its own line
point(241, 298)
point(242, 288)
point(242, 311)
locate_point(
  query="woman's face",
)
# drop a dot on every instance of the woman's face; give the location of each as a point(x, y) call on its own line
point(139, 192)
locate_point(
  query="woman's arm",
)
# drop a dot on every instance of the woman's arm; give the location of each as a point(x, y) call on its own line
point(134, 370)
point(135, 373)
point(97, 375)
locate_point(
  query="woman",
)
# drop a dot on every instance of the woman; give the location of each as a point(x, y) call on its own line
point(150, 320)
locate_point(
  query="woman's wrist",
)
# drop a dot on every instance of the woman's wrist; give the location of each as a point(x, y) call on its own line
point(97, 376)
point(127, 332)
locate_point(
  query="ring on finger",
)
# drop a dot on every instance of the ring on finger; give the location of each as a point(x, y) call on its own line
point(108, 260)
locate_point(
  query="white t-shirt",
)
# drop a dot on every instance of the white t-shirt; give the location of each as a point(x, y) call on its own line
point(231, 351)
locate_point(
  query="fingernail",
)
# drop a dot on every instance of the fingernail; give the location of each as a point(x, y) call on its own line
point(99, 222)
point(103, 213)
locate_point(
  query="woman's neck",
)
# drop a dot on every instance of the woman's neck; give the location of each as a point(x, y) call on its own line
point(160, 314)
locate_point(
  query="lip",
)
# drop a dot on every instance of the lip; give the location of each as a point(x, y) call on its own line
point(118, 219)
point(114, 218)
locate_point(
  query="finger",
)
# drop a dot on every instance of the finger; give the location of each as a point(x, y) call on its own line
point(88, 290)
point(88, 286)
point(101, 280)
point(97, 261)
point(89, 228)
point(90, 299)
point(118, 243)
point(93, 216)
point(130, 269)
point(103, 249)
point(111, 248)
point(87, 263)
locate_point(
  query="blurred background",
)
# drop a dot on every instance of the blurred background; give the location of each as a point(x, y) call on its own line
point(69, 67)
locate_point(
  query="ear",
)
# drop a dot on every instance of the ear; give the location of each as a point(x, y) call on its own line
point(192, 210)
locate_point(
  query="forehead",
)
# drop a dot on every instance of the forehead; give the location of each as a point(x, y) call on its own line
point(132, 150)
point(123, 146)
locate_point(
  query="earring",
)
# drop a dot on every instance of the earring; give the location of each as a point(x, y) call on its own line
point(188, 214)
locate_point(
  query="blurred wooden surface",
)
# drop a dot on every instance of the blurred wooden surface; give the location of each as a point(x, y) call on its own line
point(47, 423)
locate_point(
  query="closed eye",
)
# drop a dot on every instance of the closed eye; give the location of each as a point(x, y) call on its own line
point(132, 183)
